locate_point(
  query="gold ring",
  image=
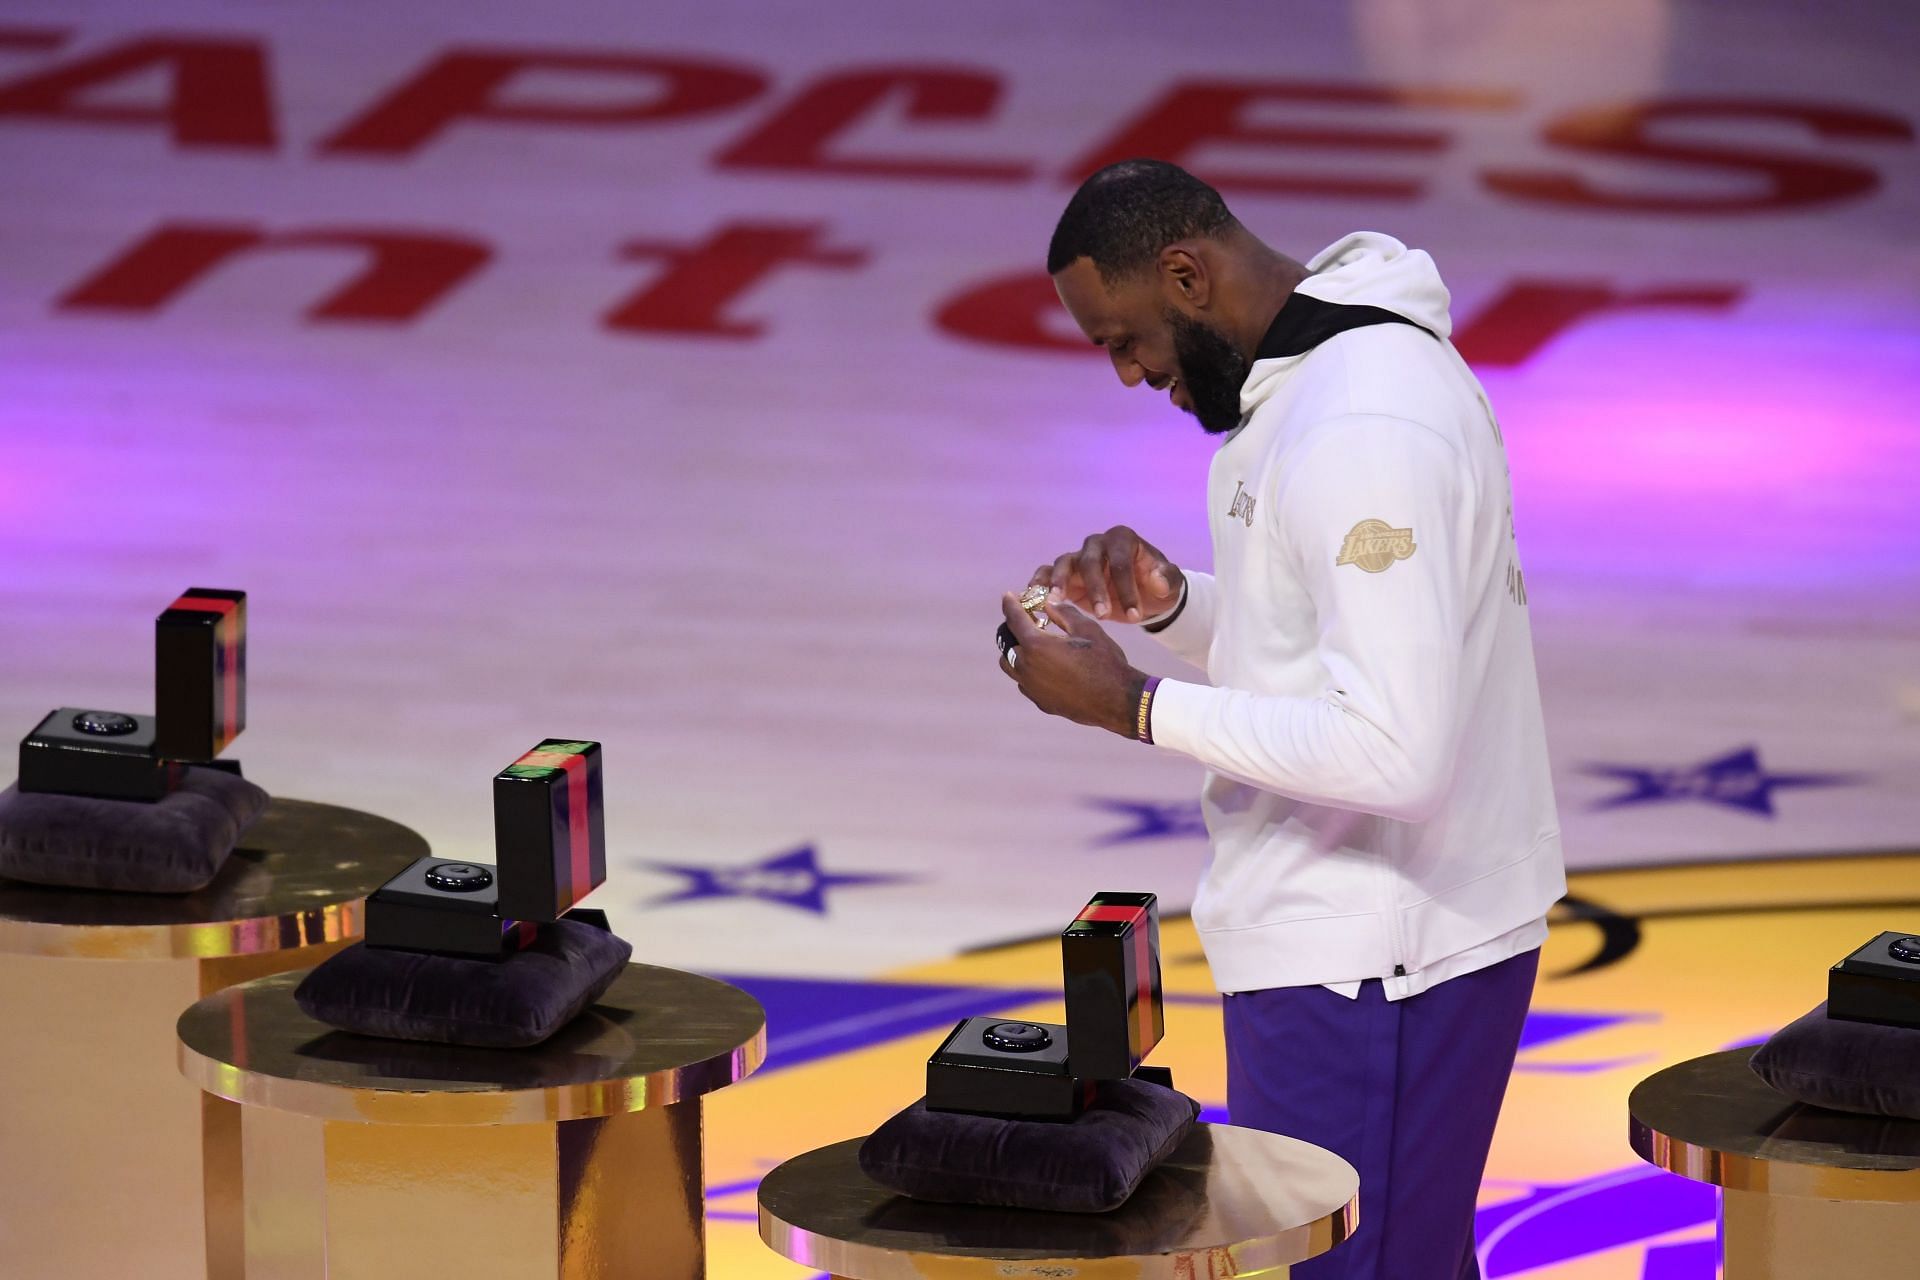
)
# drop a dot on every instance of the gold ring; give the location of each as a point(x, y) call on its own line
point(1034, 601)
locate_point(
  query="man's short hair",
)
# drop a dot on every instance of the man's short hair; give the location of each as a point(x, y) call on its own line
point(1124, 215)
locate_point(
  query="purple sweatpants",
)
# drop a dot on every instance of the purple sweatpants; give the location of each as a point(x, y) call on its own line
point(1405, 1091)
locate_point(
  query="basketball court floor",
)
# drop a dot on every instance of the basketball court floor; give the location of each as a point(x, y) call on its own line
point(1644, 967)
point(685, 377)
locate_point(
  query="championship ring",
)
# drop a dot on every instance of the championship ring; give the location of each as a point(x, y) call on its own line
point(1034, 601)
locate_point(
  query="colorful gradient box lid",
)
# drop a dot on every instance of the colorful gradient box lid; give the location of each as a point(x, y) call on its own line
point(549, 829)
point(1111, 957)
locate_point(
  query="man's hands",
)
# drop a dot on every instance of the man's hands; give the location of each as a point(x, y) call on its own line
point(1115, 574)
point(1077, 672)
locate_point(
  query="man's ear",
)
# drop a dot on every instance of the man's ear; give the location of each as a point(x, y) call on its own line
point(1184, 276)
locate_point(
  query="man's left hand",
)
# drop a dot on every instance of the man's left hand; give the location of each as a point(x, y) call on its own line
point(1077, 672)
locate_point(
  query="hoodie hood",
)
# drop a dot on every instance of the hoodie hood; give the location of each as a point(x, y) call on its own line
point(1363, 269)
point(1369, 269)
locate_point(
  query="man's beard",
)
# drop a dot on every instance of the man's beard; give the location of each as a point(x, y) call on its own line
point(1213, 369)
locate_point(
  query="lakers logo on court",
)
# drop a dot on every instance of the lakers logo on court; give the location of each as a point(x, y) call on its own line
point(1374, 545)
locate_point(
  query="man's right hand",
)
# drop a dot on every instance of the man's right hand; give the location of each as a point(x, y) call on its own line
point(1116, 574)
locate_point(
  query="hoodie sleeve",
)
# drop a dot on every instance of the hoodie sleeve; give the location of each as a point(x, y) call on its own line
point(1374, 518)
point(1190, 635)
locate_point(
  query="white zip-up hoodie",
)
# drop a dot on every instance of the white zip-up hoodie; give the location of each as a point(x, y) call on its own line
point(1377, 795)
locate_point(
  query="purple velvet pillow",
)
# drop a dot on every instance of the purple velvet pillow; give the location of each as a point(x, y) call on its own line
point(499, 1004)
point(1090, 1165)
point(175, 844)
point(1847, 1066)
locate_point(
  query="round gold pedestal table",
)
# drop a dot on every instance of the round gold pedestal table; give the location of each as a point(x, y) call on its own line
point(358, 1158)
point(1805, 1193)
point(101, 1138)
point(1228, 1202)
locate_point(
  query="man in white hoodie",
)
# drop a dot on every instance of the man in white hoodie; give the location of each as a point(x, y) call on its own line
point(1384, 840)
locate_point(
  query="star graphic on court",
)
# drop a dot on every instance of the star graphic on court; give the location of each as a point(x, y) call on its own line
point(1153, 821)
point(790, 879)
point(1737, 780)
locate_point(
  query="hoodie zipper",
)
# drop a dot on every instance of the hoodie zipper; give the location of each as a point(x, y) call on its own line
point(1396, 948)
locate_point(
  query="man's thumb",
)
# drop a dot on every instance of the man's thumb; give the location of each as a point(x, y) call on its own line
point(1155, 564)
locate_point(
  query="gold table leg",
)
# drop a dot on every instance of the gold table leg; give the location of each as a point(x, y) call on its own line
point(1799, 1238)
point(266, 1212)
point(102, 1135)
point(599, 1199)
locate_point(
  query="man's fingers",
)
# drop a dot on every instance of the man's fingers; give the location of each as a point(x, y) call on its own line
point(1108, 575)
point(1092, 565)
point(1061, 583)
point(1122, 550)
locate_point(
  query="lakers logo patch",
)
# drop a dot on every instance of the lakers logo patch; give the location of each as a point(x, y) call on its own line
point(1374, 545)
point(1242, 508)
